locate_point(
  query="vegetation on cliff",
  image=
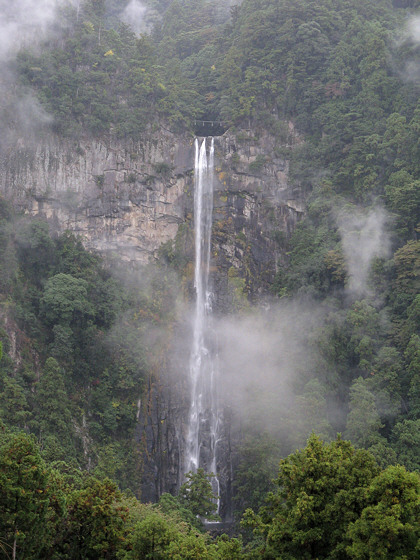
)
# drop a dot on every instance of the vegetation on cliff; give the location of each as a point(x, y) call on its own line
point(79, 358)
point(331, 502)
point(77, 348)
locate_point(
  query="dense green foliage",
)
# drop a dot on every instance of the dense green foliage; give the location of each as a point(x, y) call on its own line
point(101, 78)
point(196, 494)
point(263, 61)
point(333, 502)
point(344, 73)
point(79, 371)
point(358, 106)
point(56, 511)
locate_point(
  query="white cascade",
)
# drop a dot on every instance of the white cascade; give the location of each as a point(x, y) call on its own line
point(203, 421)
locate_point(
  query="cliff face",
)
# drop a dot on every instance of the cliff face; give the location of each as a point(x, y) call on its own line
point(255, 211)
point(130, 198)
point(120, 197)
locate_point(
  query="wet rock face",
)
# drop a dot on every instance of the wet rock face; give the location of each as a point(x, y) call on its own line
point(160, 431)
point(256, 210)
point(118, 196)
point(130, 198)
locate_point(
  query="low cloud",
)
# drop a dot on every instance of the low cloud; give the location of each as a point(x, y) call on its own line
point(409, 41)
point(264, 358)
point(364, 238)
point(135, 15)
point(139, 17)
point(24, 21)
point(413, 29)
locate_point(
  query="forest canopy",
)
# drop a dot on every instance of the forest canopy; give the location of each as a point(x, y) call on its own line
point(344, 75)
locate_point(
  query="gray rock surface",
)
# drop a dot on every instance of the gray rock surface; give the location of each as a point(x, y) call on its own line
point(129, 198)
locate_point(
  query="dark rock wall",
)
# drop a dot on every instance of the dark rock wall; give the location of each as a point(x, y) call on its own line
point(255, 212)
point(130, 199)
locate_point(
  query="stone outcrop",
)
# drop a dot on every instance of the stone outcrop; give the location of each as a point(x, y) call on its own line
point(129, 198)
point(255, 211)
point(122, 197)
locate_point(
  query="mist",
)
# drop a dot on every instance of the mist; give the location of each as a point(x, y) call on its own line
point(269, 360)
point(265, 358)
point(410, 38)
point(364, 238)
point(413, 29)
point(134, 15)
point(23, 22)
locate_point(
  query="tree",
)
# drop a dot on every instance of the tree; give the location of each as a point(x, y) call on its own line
point(228, 549)
point(389, 525)
point(36, 250)
point(95, 523)
point(197, 494)
point(412, 356)
point(406, 443)
point(24, 497)
point(13, 406)
point(407, 264)
point(259, 455)
point(152, 536)
point(52, 407)
point(65, 300)
point(170, 505)
point(334, 503)
point(160, 536)
point(363, 420)
point(403, 193)
point(321, 489)
point(385, 382)
point(310, 414)
point(73, 259)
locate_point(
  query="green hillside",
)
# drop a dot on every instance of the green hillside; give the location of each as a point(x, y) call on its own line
point(346, 75)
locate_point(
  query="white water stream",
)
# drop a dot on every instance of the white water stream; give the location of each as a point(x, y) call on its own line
point(203, 421)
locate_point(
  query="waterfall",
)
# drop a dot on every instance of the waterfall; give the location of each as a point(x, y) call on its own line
point(203, 421)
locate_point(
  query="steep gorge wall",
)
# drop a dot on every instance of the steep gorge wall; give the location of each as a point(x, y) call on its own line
point(121, 197)
point(256, 208)
point(130, 198)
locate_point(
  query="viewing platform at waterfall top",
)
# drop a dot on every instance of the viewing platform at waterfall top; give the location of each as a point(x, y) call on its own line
point(211, 123)
point(210, 128)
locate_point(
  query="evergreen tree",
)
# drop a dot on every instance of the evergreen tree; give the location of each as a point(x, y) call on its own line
point(14, 408)
point(52, 410)
point(24, 497)
point(197, 494)
point(363, 420)
point(333, 502)
point(389, 526)
point(321, 490)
